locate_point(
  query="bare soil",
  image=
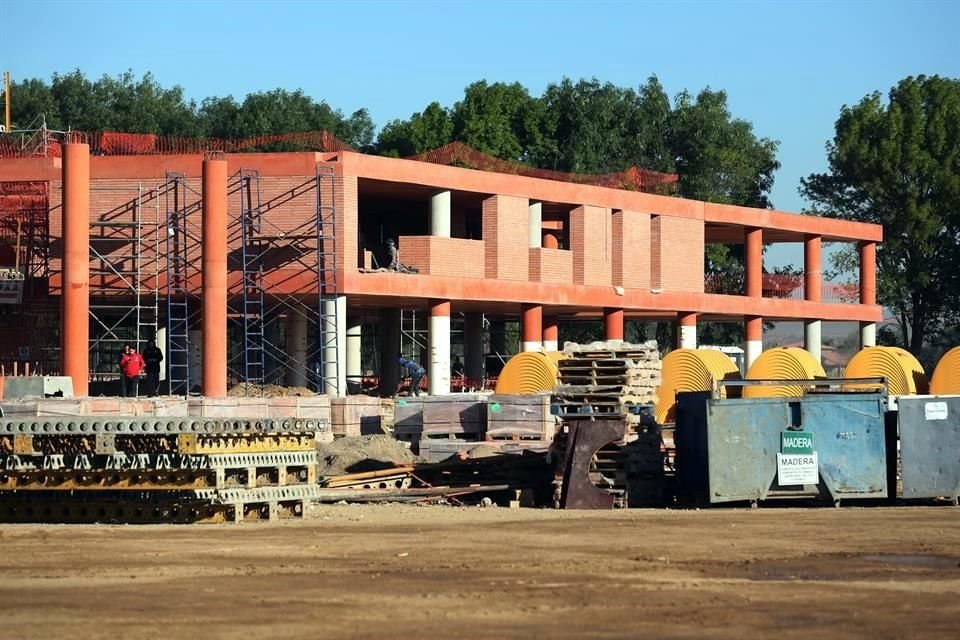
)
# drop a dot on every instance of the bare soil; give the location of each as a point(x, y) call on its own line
point(437, 572)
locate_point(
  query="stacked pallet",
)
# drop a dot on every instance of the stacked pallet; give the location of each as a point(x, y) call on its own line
point(174, 469)
point(457, 417)
point(607, 380)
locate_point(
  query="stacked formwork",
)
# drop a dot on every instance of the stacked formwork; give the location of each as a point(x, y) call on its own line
point(94, 469)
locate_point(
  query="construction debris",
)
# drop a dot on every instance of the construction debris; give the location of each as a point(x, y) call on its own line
point(360, 454)
point(269, 391)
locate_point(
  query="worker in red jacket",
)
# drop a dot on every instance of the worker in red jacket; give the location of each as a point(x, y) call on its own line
point(131, 366)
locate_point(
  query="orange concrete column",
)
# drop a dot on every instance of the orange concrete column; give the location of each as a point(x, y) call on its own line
point(613, 324)
point(687, 331)
point(753, 261)
point(868, 290)
point(75, 296)
point(531, 327)
point(550, 241)
point(214, 289)
point(753, 346)
point(812, 269)
point(813, 292)
point(868, 273)
point(438, 375)
point(551, 334)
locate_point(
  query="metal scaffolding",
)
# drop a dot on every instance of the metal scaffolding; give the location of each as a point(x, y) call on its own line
point(125, 257)
point(273, 255)
point(182, 246)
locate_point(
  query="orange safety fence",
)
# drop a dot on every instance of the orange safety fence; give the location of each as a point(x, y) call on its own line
point(110, 143)
point(633, 178)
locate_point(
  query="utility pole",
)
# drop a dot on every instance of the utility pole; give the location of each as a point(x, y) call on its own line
point(6, 98)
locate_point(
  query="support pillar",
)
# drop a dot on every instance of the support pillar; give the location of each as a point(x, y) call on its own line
point(161, 341)
point(536, 225)
point(440, 215)
point(551, 334)
point(813, 338)
point(613, 324)
point(195, 357)
point(812, 290)
point(868, 290)
point(214, 288)
point(531, 327)
point(389, 351)
point(75, 292)
point(753, 261)
point(438, 375)
point(296, 349)
point(335, 347)
point(868, 334)
point(354, 350)
point(687, 331)
point(473, 346)
point(753, 346)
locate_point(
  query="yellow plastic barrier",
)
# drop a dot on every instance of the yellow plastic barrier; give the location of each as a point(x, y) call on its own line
point(946, 377)
point(690, 370)
point(782, 363)
point(905, 375)
point(530, 372)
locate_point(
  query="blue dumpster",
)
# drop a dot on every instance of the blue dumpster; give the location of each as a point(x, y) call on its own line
point(828, 445)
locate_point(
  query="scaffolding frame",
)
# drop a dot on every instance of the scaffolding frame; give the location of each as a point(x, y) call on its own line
point(124, 251)
point(266, 243)
point(179, 242)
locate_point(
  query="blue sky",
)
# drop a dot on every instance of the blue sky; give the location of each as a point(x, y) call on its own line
point(787, 67)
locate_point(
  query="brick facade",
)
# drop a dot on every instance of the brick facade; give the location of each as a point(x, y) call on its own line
point(631, 249)
point(591, 243)
point(551, 265)
point(676, 254)
point(506, 233)
point(434, 256)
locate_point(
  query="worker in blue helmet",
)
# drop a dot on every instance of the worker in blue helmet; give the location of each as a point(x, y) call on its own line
point(415, 373)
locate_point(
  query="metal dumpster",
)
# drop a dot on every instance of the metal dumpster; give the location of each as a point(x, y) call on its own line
point(731, 450)
point(929, 446)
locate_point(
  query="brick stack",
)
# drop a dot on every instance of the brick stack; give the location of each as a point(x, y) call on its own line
point(355, 416)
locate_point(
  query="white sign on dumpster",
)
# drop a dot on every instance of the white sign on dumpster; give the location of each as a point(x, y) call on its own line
point(797, 468)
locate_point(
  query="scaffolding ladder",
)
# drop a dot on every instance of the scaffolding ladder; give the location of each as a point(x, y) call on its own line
point(177, 242)
point(252, 248)
point(124, 250)
point(327, 369)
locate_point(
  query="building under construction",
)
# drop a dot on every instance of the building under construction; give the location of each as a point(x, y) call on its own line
point(272, 267)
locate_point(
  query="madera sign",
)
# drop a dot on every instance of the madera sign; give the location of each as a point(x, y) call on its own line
point(797, 461)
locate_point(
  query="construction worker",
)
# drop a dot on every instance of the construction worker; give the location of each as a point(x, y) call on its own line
point(131, 366)
point(152, 356)
point(394, 255)
point(415, 372)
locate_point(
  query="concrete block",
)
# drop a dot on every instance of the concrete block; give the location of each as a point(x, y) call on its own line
point(36, 386)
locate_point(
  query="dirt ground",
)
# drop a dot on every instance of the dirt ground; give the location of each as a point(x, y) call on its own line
point(437, 572)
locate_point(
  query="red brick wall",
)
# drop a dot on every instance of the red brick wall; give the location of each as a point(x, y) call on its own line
point(591, 242)
point(676, 254)
point(551, 265)
point(506, 233)
point(631, 249)
point(454, 257)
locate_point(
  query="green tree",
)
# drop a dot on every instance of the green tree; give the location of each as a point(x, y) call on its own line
point(897, 163)
point(30, 100)
point(500, 119)
point(422, 132)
